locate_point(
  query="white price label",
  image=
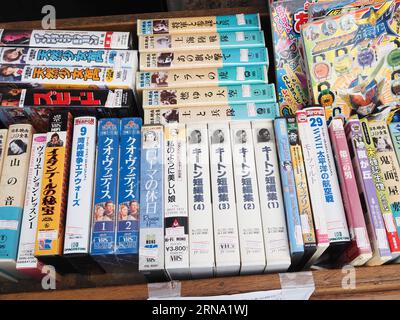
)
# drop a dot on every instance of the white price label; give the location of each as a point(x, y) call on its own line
point(244, 55)
point(240, 18)
point(240, 73)
point(9, 225)
point(239, 36)
point(246, 91)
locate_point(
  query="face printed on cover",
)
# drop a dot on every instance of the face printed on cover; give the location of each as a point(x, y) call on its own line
point(55, 141)
point(195, 137)
point(381, 144)
point(160, 26)
point(292, 138)
point(287, 165)
point(133, 212)
point(16, 147)
point(263, 135)
point(241, 136)
point(218, 137)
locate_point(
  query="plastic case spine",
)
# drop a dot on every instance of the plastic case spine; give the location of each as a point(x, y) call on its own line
point(200, 41)
point(215, 58)
point(71, 77)
point(302, 191)
point(54, 192)
point(271, 199)
point(3, 141)
point(188, 115)
point(251, 238)
point(176, 221)
point(102, 248)
point(151, 235)
point(227, 251)
point(388, 164)
point(368, 194)
point(201, 236)
point(80, 196)
point(66, 39)
point(208, 96)
point(338, 231)
point(394, 129)
point(187, 78)
point(51, 57)
point(359, 251)
point(127, 241)
point(314, 184)
point(289, 193)
point(12, 194)
point(26, 261)
point(383, 197)
point(190, 25)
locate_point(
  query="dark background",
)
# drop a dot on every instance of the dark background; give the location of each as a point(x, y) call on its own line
point(19, 10)
point(23, 10)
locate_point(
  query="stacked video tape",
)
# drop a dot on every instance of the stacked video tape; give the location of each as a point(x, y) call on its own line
point(203, 69)
point(212, 182)
point(87, 71)
point(194, 71)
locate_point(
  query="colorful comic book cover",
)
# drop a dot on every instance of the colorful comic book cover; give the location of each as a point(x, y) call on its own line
point(287, 17)
point(191, 25)
point(353, 60)
point(320, 10)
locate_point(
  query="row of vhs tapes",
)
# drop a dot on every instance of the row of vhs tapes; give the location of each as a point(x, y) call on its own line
point(197, 199)
point(268, 195)
point(67, 59)
point(65, 204)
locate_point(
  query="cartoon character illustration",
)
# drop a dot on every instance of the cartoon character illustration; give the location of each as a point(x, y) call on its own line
point(365, 54)
point(343, 61)
point(364, 92)
point(287, 52)
point(363, 95)
point(329, 28)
